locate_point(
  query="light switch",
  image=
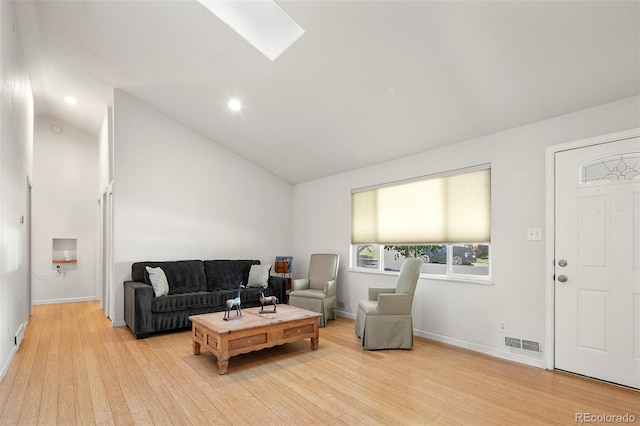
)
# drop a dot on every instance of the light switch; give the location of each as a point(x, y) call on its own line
point(534, 234)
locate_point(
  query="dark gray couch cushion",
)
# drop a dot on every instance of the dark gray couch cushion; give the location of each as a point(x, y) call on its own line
point(227, 274)
point(183, 275)
point(186, 301)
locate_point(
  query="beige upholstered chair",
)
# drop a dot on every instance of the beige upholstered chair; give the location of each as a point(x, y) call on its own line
point(317, 292)
point(384, 321)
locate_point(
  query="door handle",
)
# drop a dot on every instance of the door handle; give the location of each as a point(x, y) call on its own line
point(563, 278)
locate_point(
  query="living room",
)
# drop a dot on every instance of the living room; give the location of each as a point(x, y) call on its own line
point(177, 194)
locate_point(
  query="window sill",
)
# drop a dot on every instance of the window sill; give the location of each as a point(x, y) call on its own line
point(452, 278)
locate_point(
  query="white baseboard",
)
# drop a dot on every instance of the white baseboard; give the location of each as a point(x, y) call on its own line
point(346, 314)
point(511, 356)
point(7, 364)
point(118, 323)
point(504, 354)
point(19, 336)
point(69, 300)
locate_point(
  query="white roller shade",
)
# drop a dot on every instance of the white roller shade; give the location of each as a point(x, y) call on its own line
point(443, 209)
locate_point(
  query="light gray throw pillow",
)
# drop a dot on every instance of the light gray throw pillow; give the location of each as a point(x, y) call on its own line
point(259, 276)
point(158, 281)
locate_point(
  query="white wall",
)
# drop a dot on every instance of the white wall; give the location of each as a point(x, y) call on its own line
point(178, 195)
point(16, 150)
point(455, 312)
point(104, 266)
point(105, 146)
point(65, 194)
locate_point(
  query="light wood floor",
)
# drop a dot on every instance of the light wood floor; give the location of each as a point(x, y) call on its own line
point(73, 368)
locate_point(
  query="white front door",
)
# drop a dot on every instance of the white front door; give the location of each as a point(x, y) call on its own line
point(597, 261)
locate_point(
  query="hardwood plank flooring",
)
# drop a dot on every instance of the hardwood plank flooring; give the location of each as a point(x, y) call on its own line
point(74, 368)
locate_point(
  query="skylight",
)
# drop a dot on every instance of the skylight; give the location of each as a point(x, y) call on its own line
point(261, 22)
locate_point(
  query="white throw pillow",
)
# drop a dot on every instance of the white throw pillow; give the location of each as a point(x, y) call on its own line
point(259, 276)
point(158, 281)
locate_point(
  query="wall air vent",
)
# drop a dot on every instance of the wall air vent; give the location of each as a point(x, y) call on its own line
point(530, 345)
point(18, 337)
point(527, 345)
point(512, 342)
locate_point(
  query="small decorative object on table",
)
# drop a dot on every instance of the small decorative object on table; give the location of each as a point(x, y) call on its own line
point(271, 300)
point(234, 304)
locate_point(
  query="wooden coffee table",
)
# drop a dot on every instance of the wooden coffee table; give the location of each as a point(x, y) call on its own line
point(252, 332)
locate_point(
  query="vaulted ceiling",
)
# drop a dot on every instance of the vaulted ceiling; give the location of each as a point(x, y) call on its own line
point(369, 81)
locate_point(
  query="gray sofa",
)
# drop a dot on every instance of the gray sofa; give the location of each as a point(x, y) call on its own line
point(195, 287)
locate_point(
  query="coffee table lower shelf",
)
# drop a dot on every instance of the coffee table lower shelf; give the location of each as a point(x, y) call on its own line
point(252, 332)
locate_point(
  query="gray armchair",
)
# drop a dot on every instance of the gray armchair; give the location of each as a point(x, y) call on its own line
point(384, 321)
point(317, 292)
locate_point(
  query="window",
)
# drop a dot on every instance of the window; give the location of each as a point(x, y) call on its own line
point(443, 209)
point(616, 168)
point(466, 261)
point(367, 256)
point(445, 220)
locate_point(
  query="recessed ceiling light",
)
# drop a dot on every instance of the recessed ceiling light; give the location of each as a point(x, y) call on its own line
point(70, 100)
point(234, 104)
point(262, 23)
point(56, 129)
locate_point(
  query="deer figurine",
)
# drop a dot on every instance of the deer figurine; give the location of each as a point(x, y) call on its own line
point(234, 304)
point(270, 300)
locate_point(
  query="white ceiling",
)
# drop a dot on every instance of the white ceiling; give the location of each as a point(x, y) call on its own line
point(369, 81)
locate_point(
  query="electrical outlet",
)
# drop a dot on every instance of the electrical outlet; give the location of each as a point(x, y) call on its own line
point(534, 234)
point(502, 326)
